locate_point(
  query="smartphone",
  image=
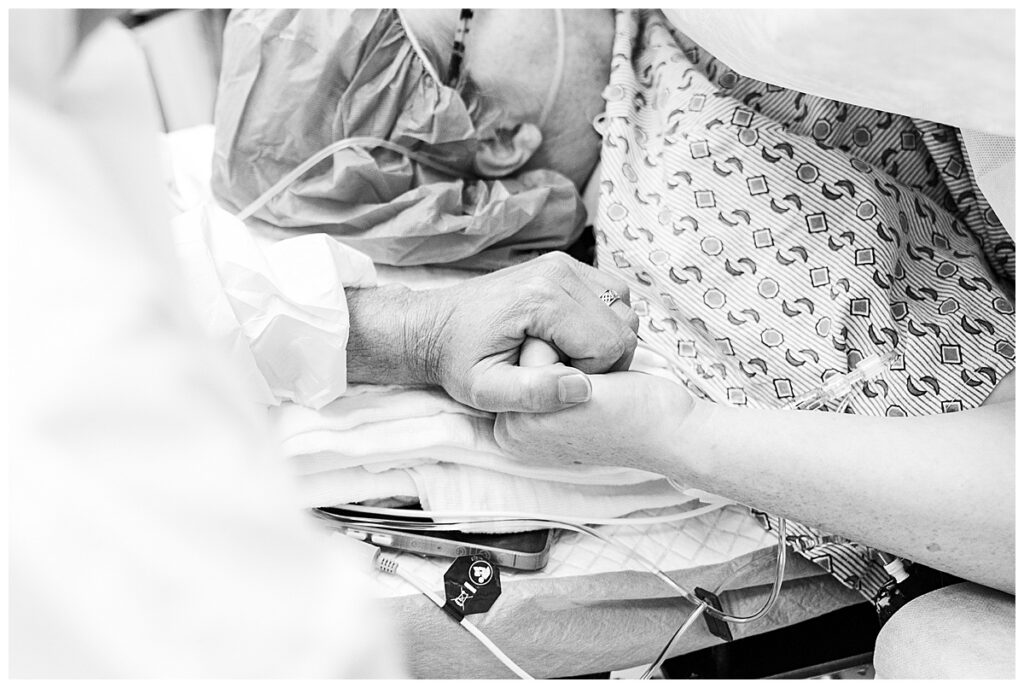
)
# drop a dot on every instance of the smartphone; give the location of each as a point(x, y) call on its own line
point(523, 551)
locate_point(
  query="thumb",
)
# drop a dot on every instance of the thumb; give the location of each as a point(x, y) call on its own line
point(531, 390)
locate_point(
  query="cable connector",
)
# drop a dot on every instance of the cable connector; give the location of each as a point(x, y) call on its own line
point(390, 565)
point(385, 563)
point(839, 387)
point(896, 569)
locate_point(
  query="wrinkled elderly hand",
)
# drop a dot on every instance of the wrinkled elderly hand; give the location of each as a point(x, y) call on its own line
point(467, 337)
point(630, 420)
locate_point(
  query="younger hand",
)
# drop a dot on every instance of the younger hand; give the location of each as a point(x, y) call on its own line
point(630, 420)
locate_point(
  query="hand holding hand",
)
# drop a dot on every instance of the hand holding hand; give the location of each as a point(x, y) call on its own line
point(475, 330)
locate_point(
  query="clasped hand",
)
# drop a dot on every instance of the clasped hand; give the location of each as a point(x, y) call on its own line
point(467, 338)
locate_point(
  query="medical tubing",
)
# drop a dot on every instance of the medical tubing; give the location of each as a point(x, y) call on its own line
point(565, 525)
point(556, 79)
point(344, 144)
point(701, 605)
point(780, 570)
point(643, 561)
point(375, 142)
point(580, 528)
point(391, 566)
point(678, 634)
point(839, 388)
point(717, 613)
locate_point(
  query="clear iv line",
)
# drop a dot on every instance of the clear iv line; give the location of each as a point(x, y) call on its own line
point(838, 388)
point(343, 144)
point(374, 142)
point(556, 80)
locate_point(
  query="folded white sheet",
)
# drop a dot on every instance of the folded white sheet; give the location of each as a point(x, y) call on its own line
point(387, 441)
point(450, 487)
point(351, 485)
point(377, 440)
point(457, 487)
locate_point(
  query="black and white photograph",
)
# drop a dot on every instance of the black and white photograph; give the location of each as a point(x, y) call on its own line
point(511, 343)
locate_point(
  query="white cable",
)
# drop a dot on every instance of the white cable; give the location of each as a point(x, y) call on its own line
point(780, 571)
point(769, 603)
point(313, 160)
point(567, 525)
point(389, 565)
point(469, 517)
point(643, 561)
point(556, 79)
point(656, 664)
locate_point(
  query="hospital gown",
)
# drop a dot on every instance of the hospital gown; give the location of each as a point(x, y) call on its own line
point(772, 239)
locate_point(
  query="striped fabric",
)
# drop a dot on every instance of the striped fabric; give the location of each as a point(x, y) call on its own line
point(772, 239)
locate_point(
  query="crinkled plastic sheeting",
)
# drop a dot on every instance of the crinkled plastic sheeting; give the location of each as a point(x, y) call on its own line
point(295, 81)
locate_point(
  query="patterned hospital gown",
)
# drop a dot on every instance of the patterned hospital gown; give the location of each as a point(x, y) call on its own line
point(772, 239)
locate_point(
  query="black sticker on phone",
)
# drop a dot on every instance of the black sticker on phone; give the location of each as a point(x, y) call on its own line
point(471, 585)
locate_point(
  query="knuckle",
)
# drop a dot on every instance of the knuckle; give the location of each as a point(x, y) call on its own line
point(619, 285)
point(559, 262)
point(558, 257)
point(536, 285)
point(622, 289)
point(538, 290)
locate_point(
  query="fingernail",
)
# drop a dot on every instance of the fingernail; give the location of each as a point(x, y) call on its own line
point(573, 389)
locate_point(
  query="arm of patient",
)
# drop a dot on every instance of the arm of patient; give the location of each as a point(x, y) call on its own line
point(934, 489)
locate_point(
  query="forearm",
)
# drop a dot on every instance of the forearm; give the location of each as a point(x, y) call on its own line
point(389, 337)
point(935, 489)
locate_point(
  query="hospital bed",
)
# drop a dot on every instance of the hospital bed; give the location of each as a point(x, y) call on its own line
point(593, 608)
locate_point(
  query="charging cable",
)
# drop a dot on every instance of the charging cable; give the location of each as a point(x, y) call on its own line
point(388, 565)
point(391, 566)
point(564, 524)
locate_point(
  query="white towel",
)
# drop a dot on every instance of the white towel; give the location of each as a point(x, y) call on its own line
point(442, 437)
point(351, 485)
point(386, 442)
point(450, 487)
point(364, 404)
point(454, 487)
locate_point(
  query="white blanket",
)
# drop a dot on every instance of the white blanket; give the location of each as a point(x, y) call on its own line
point(385, 441)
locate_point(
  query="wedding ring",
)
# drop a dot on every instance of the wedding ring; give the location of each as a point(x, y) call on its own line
point(609, 296)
